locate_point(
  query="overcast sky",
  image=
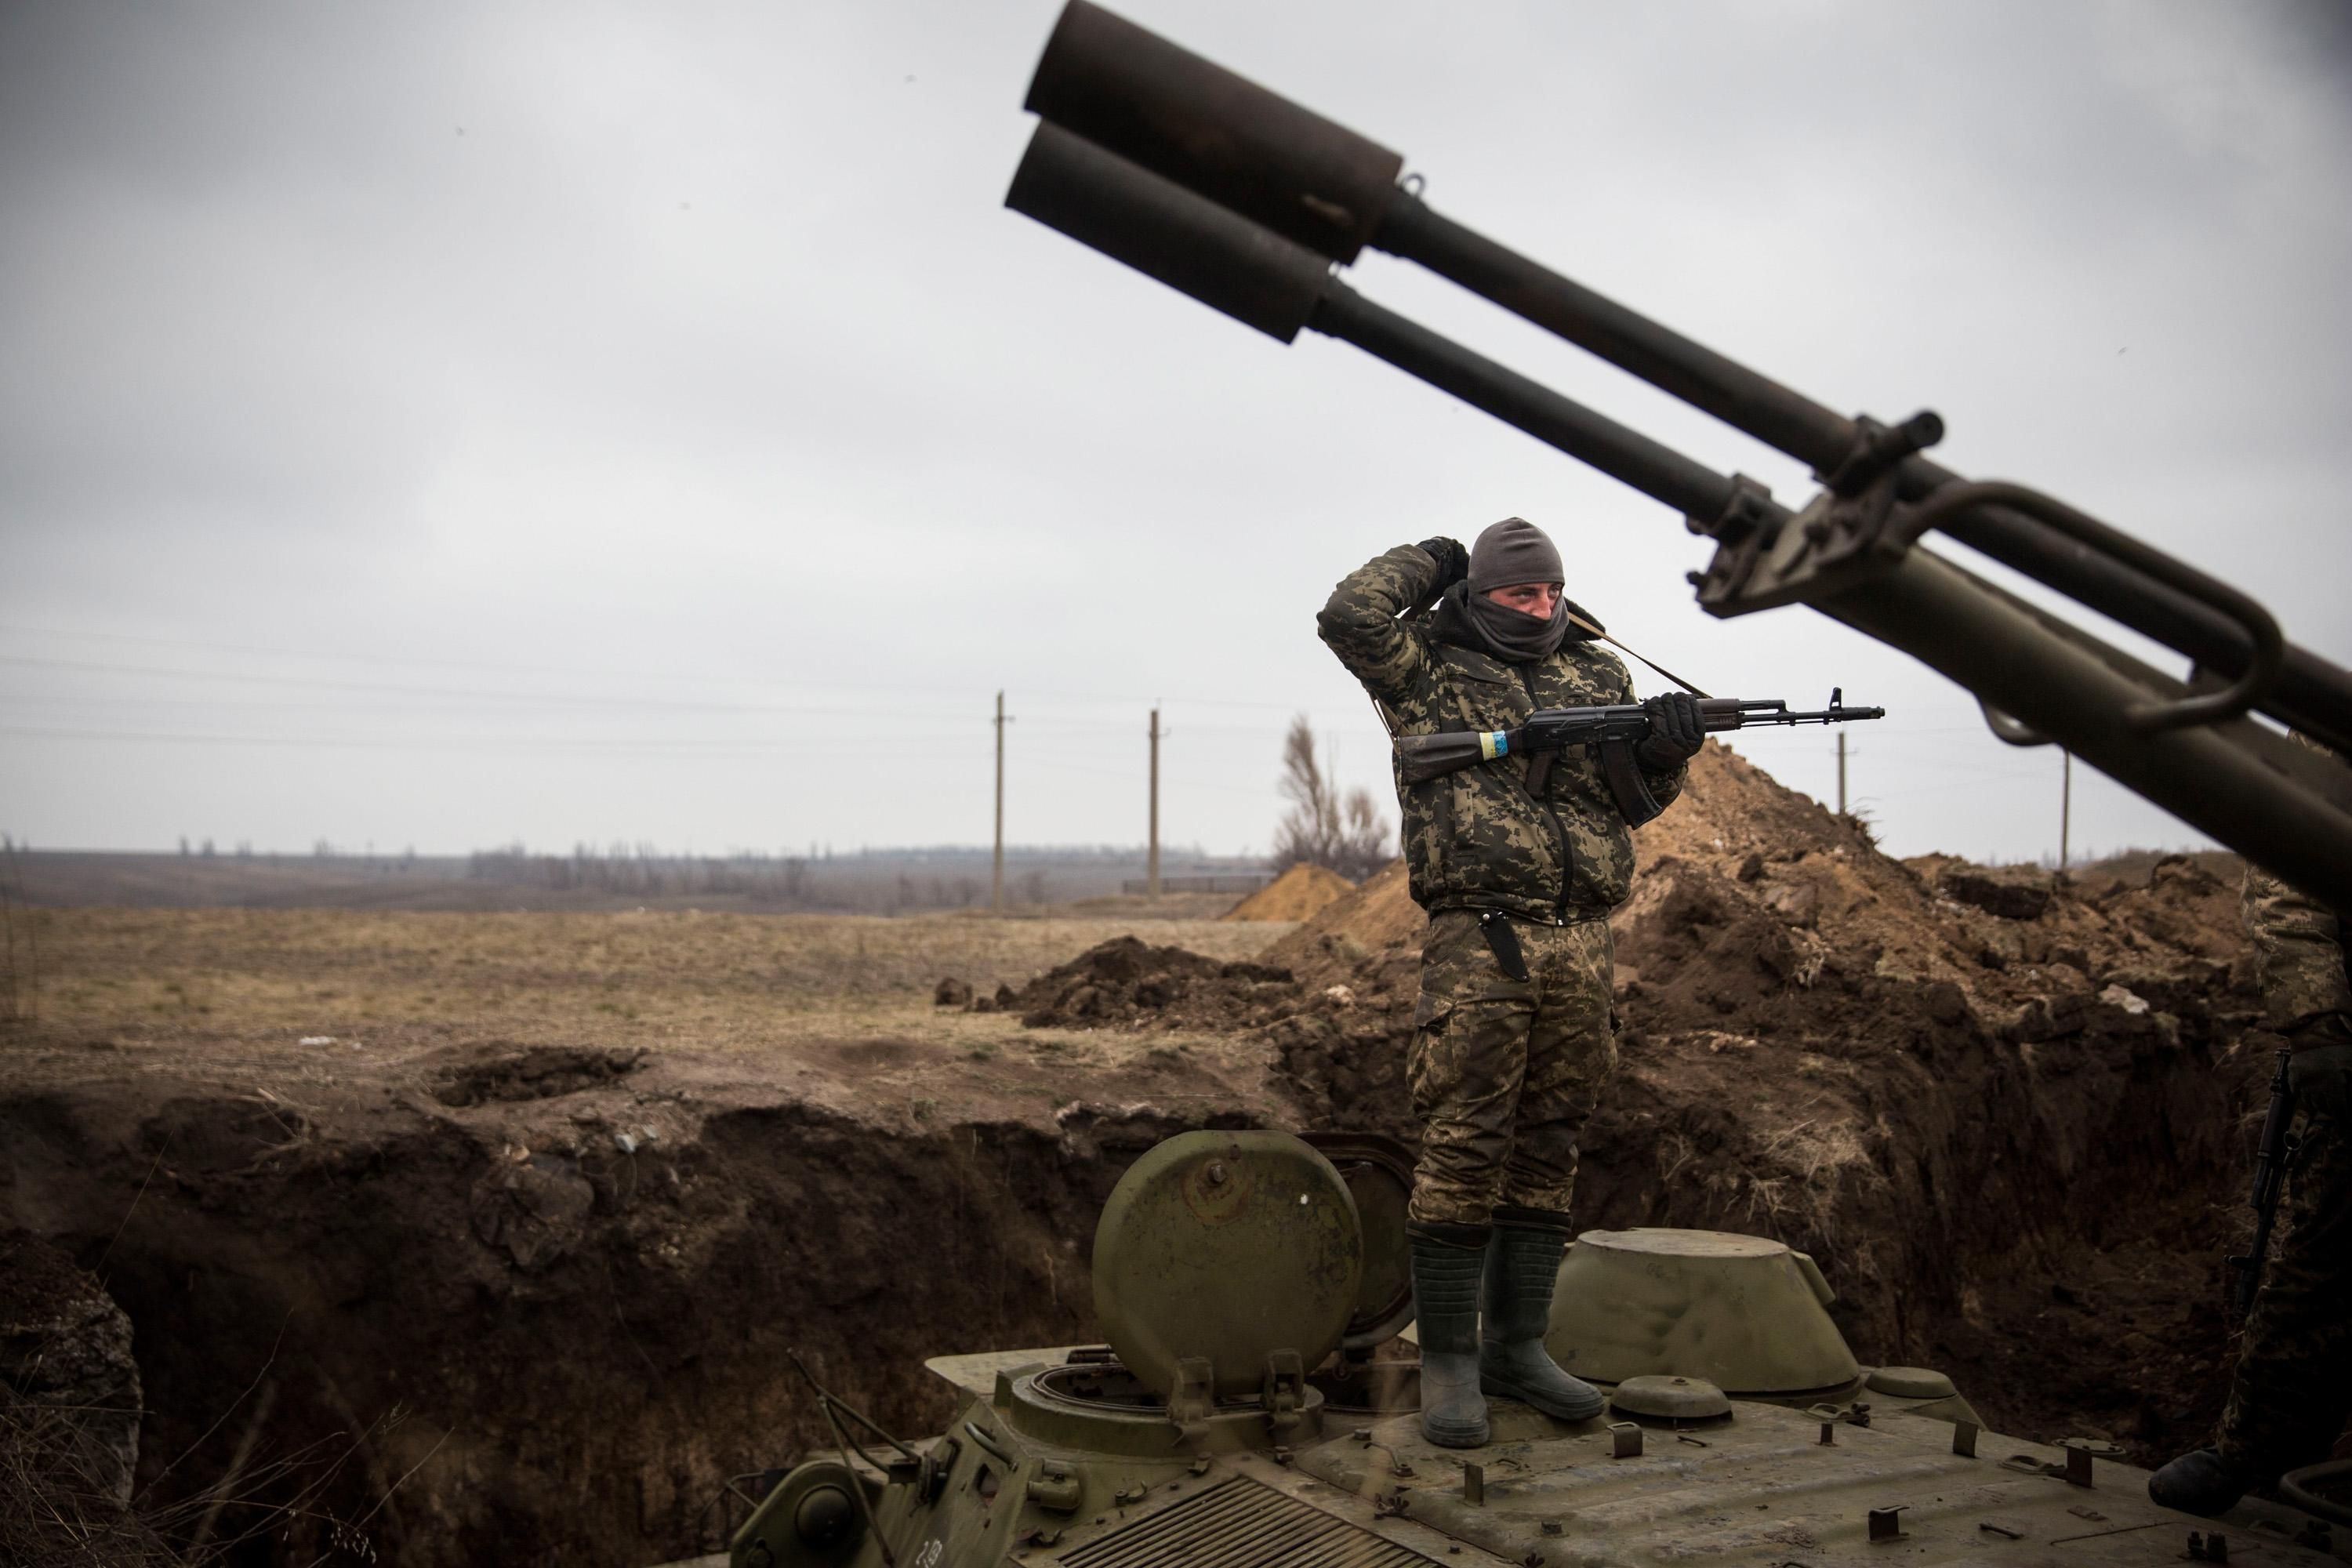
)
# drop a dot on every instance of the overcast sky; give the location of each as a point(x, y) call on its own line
point(443, 424)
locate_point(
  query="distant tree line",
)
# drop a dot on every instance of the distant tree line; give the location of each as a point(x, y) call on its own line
point(877, 882)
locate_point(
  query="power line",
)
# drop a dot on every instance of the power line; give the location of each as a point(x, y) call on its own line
point(317, 656)
point(550, 698)
point(857, 745)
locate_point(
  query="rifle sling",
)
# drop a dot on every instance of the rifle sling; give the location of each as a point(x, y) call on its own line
point(1583, 625)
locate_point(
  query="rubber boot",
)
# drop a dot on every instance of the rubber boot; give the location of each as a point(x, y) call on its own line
point(2201, 1482)
point(1522, 1260)
point(1446, 1262)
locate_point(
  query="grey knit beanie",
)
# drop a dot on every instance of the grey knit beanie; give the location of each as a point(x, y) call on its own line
point(1513, 551)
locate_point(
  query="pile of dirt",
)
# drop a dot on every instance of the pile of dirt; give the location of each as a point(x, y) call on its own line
point(1127, 981)
point(1300, 893)
point(1979, 1097)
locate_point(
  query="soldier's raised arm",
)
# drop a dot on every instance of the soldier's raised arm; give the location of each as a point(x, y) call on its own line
point(1359, 622)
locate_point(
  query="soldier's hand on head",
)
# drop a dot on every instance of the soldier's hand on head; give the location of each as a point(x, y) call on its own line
point(2321, 1073)
point(1453, 560)
point(1674, 734)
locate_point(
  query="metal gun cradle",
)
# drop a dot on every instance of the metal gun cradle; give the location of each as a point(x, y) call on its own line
point(1246, 201)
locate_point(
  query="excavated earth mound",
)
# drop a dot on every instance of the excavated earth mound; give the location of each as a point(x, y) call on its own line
point(1300, 893)
point(1127, 981)
point(2006, 1117)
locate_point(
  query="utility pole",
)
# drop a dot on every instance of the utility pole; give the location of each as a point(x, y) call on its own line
point(2065, 802)
point(996, 872)
point(1841, 772)
point(1151, 858)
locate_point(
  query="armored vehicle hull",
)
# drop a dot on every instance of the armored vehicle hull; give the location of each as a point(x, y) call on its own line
point(1068, 1456)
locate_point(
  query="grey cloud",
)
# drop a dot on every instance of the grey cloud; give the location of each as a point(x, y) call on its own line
point(707, 348)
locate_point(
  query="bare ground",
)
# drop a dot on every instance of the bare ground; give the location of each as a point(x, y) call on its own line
point(512, 1216)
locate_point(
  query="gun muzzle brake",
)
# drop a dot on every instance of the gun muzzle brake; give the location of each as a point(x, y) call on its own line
point(1166, 232)
point(1132, 92)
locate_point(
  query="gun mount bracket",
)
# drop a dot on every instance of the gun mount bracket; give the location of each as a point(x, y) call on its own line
point(1877, 450)
point(1747, 512)
point(1843, 534)
point(1745, 530)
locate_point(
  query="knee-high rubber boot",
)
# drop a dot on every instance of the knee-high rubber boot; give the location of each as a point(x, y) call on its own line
point(1447, 1260)
point(1522, 1260)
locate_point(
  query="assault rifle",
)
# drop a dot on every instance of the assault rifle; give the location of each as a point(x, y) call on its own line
point(1614, 728)
point(1247, 202)
point(2272, 1157)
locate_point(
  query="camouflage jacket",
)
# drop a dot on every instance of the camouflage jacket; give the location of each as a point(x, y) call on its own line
point(2298, 957)
point(1478, 838)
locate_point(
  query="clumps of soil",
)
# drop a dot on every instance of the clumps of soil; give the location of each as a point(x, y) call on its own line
point(70, 1414)
point(533, 1072)
point(954, 992)
point(1129, 982)
point(1962, 1089)
point(2012, 892)
point(1300, 893)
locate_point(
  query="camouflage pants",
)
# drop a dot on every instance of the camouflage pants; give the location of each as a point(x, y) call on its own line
point(2293, 1384)
point(1505, 1073)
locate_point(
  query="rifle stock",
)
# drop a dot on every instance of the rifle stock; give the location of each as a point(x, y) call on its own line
point(1421, 758)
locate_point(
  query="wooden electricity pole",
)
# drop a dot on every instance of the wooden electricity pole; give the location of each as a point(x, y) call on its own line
point(1151, 856)
point(996, 872)
point(2065, 803)
point(1841, 772)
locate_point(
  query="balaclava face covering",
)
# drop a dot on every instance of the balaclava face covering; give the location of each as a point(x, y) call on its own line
point(1514, 551)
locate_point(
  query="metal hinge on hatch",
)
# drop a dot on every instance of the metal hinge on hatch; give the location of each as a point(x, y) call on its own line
point(1194, 1398)
point(1284, 1391)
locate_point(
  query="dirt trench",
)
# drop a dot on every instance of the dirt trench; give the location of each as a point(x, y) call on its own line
point(544, 1310)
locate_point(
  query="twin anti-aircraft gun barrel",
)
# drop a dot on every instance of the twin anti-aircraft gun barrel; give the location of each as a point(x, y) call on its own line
point(1246, 202)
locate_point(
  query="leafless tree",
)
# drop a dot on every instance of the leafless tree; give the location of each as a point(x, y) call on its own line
point(1349, 835)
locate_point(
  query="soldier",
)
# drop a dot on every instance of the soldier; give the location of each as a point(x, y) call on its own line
point(1517, 862)
point(2293, 1386)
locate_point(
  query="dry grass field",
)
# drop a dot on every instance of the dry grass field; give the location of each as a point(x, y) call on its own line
point(223, 978)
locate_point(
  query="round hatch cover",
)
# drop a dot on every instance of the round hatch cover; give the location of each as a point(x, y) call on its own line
point(1669, 1399)
point(1226, 1246)
point(1377, 1170)
point(1911, 1383)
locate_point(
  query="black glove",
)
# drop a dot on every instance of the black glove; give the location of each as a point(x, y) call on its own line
point(1452, 561)
point(1674, 734)
point(2321, 1076)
